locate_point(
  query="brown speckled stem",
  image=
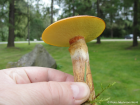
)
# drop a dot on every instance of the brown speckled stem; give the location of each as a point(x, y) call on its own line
point(80, 60)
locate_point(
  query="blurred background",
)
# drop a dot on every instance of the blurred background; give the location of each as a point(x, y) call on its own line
point(22, 20)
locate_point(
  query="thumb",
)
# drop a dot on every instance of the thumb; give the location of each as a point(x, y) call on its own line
point(49, 93)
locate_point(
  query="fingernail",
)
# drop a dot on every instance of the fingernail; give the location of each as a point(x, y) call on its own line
point(80, 91)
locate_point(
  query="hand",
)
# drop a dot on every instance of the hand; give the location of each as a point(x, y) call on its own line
point(40, 86)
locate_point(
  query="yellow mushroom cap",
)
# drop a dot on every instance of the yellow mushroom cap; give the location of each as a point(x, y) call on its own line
point(60, 32)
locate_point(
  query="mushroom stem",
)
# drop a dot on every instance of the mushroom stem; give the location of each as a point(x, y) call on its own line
point(81, 67)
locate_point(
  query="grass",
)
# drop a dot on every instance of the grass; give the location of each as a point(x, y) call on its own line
point(110, 62)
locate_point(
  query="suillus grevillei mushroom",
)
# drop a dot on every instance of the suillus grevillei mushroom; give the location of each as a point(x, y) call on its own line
point(74, 32)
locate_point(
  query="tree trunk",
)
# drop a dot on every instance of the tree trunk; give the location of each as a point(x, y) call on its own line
point(111, 20)
point(2, 36)
point(28, 24)
point(11, 25)
point(98, 40)
point(98, 15)
point(51, 11)
point(73, 9)
point(111, 31)
point(111, 24)
point(69, 8)
point(135, 21)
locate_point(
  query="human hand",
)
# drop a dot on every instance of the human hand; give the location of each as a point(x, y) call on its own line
point(40, 86)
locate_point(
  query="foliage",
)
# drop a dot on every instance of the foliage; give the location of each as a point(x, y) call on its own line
point(77, 7)
point(38, 19)
point(21, 17)
point(3, 20)
point(117, 14)
point(97, 98)
point(36, 24)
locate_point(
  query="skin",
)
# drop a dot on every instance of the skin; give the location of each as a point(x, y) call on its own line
point(40, 86)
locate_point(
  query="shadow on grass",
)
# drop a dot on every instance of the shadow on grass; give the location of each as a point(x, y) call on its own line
point(133, 47)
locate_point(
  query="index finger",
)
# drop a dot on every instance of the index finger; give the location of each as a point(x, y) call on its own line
point(38, 74)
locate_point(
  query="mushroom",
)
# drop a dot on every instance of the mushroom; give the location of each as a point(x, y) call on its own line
point(74, 32)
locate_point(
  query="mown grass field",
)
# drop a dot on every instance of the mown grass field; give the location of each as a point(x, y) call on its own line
point(110, 62)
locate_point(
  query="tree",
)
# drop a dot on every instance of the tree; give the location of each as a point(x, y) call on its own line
point(3, 20)
point(84, 7)
point(11, 24)
point(68, 7)
point(28, 13)
point(98, 15)
point(110, 9)
point(21, 19)
point(18, 20)
point(51, 11)
point(73, 8)
point(39, 19)
point(135, 23)
point(77, 7)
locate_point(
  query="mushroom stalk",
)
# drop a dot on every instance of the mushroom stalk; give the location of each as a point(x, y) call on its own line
point(81, 67)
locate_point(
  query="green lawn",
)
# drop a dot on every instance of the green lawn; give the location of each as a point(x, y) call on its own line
point(110, 62)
